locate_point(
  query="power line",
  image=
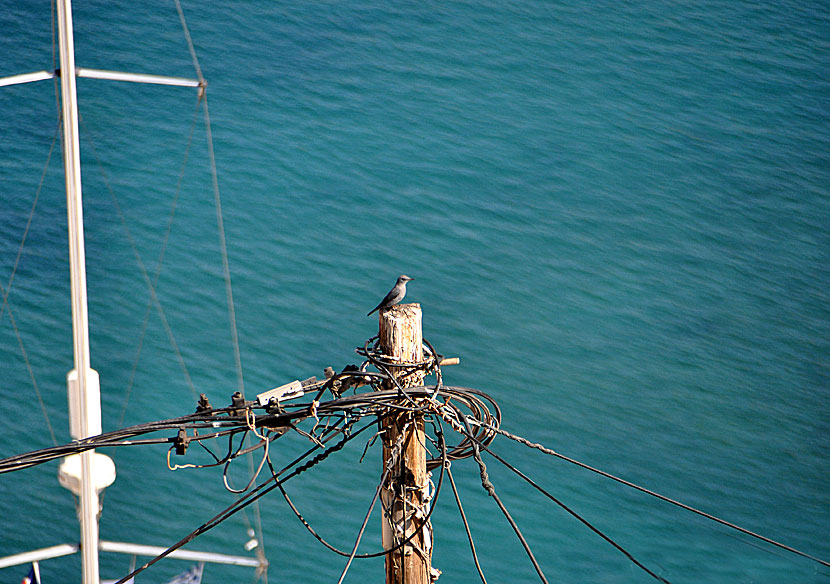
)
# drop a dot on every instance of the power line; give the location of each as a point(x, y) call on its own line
point(578, 517)
point(472, 414)
point(466, 527)
point(658, 495)
point(393, 457)
point(491, 490)
point(254, 495)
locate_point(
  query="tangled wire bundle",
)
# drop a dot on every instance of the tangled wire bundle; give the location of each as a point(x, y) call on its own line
point(471, 414)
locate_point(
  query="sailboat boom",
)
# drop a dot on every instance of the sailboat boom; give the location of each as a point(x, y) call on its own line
point(103, 74)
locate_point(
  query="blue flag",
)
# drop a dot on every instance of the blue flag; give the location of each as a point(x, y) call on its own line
point(33, 577)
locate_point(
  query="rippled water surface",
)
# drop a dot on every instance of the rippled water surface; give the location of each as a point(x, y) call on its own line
point(617, 216)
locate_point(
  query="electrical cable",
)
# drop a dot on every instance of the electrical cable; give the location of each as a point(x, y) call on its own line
point(491, 490)
point(253, 495)
point(391, 462)
point(473, 414)
point(374, 554)
point(264, 441)
point(577, 516)
point(466, 526)
point(659, 496)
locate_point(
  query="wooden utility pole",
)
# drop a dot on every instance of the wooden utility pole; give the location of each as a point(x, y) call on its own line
point(405, 494)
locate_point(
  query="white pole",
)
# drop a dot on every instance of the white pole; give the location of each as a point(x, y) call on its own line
point(56, 551)
point(136, 77)
point(152, 550)
point(86, 406)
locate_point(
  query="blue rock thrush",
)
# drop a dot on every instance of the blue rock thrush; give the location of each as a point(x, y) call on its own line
point(395, 295)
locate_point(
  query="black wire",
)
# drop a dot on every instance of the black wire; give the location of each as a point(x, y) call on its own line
point(403, 370)
point(466, 527)
point(477, 403)
point(233, 421)
point(384, 552)
point(659, 496)
point(254, 495)
point(491, 490)
point(115, 438)
point(555, 500)
point(439, 430)
point(229, 421)
point(363, 526)
point(577, 516)
point(208, 450)
point(262, 443)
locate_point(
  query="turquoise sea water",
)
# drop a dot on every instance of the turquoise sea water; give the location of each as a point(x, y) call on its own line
point(617, 215)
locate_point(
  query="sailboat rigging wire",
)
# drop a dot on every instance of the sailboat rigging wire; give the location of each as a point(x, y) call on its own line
point(159, 263)
point(142, 268)
point(190, 45)
point(223, 247)
point(38, 190)
point(550, 452)
point(55, 83)
point(8, 287)
point(260, 549)
point(28, 364)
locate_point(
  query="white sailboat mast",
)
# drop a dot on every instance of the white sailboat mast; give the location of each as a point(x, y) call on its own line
point(88, 473)
point(84, 397)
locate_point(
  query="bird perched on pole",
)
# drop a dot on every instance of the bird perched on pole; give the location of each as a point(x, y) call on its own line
point(395, 295)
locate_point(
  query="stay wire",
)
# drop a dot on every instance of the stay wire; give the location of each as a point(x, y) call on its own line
point(55, 83)
point(190, 45)
point(260, 549)
point(160, 263)
point(659, 496)
point(222, 243)
point(23, 238)
point(234, 335)
point(31, 372)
